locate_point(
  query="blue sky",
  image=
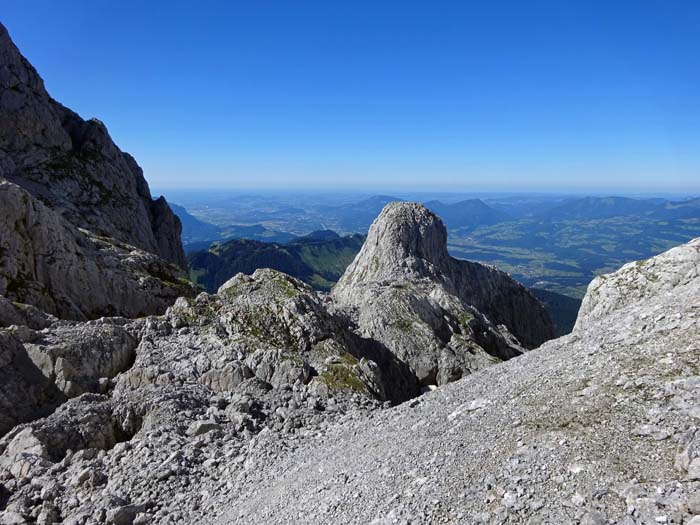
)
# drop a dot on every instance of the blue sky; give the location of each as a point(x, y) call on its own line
point(540, 96)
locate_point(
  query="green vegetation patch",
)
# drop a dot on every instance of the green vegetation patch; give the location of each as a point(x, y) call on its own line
point(342, 377)
point(287, 287)
point(405, 325)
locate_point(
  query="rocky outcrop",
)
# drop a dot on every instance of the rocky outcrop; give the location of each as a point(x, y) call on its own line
point(267, 326)
point(259, 404)
point(264, 353)
point(47, 361)
point(74, 167)
point(601, 426)
point(73, 273)
point(640, 280)
point(444, 317)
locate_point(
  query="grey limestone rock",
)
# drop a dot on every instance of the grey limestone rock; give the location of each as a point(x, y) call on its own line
point(74, 167)
point(599, 426)
point(444, 317)
point(25, 392)
point(72, 273)
point(80, 235)
point(640, 280)
point(258, 404)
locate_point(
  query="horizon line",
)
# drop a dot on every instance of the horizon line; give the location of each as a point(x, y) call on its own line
point(390, 192)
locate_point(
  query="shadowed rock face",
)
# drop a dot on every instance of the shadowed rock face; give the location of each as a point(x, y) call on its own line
point(74, 167)
point(443, 316)
point(25, 393)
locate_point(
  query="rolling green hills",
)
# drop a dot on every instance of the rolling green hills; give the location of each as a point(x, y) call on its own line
point(318, 259)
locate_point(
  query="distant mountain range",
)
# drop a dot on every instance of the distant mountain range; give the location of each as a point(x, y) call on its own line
point(590, 208)
point(277, 226)
point(352, 217)
point(192, 228)
point(467, 213)
point(555, 243)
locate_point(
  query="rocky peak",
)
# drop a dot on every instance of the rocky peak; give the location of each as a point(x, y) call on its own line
point(21, 89)
point(408, 242)
point(443, 316)
point(405, 241)
point(597, 427)
point(73, 166)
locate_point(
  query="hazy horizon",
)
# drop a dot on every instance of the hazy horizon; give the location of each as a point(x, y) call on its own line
point(414, 192)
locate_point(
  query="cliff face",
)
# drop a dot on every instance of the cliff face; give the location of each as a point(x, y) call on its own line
point(71, 272)
point(74, 167)
point(444, 316)
point(80, 235)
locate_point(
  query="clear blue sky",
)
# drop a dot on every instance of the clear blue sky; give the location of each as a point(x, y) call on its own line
point(523, 95)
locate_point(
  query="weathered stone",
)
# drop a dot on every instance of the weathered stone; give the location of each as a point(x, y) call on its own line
point(74, 165)
point(73, 273)
point(694, 469)
point(202, 427)
point(80, 235)
point(444, 317)
point(526, 426)
point(123, 515)
point(12, 518)
point(641, 280)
